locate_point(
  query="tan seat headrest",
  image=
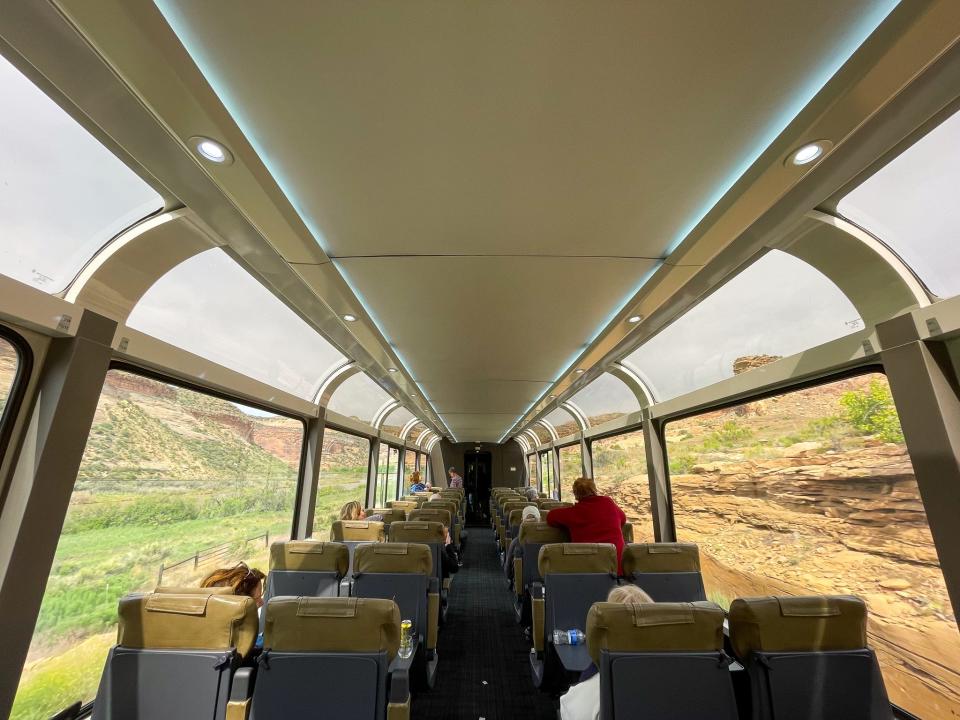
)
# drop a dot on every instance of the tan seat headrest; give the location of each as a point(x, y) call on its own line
point(431, 514)
point(350, 625)
point(194, 621)
point(310, 556)
point(797, 624)
point(389, 514)
point(356, 530)
point(393, 557)
point(540, 532)
point(578, 558)
point(417, 531)
point(548, 505)
point(188, 590)
point(654, 627)
point(660, 557)
point(404, 505)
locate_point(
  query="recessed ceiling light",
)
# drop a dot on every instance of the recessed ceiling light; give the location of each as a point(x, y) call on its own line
point(580, 371)
point(391, 369)
point(553, 397)
point(350, 318)
point(211, 150)
point(808, 153)
point(634, 319)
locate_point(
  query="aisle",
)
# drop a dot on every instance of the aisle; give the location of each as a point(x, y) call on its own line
point(482, 642)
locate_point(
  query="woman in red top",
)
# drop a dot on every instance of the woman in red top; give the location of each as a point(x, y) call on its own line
point(594, 519)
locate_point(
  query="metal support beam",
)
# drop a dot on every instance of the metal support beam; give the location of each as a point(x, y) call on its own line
point(310, 478)
point(62, 406)
point(661, 501)
point(372, 472)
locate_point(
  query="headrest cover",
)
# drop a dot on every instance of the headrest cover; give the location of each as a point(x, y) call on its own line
point(195, 621)
point(403, 504)
point(654, 627)
point(309, 624)
point(540, 532)
point(578, 558)
point(448, 505)
point(393, 557)
point(418, 531)
point(389, 514)
point(660, 557)
point(512, 505)
point(431, 514)
point(548, 505)
point(352, 530)
point(187, 590)
point(310, 556)
point(797, 624)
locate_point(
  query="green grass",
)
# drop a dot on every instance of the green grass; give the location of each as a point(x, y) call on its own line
point(108, 554)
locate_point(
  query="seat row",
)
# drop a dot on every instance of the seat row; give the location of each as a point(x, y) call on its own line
point(193, 655)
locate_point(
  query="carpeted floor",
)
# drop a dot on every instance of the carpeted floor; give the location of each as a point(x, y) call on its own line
point(484, 670)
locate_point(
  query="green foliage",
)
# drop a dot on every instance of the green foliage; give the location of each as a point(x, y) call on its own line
point(729, 435)
point(826, 430)
point(720, 598)
point(681, 463)
point(872, 412)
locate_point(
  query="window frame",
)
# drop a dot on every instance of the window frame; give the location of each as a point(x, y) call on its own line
point(18, 390)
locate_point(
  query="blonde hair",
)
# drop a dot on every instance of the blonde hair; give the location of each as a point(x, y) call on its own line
point(584, 487)
point(628, 595)
point(414, 477)
point(351, 511)
point(240, 577)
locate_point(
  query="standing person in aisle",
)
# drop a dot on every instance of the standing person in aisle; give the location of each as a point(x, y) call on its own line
point(455, 480)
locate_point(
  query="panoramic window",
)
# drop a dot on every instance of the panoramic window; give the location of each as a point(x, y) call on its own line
point(210, 306)
point(387, 470)
point(9, 361)
point(416, 432)
point(605, 399)
point(173, 484)
point(343, 477)
point(910, 204)
point(64, 194)
point(571, 464)
point(777, 306)
point(546, 467)
point(541, 432)
point(410, 459)
point(395, 421)
point(562, 422)
point(359, 397)
point(620, 471)
point(813, 492)
point(532, 469)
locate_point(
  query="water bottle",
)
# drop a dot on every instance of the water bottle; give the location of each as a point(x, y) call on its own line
point(568, 637)
point(406, 640)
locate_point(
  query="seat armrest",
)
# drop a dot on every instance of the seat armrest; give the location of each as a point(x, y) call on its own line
point(241, 694)
point(433, 614)
point(398, 694)
point(538, 610)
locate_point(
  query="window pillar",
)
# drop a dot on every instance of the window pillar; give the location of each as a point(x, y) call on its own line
point(661, 505)
point(310, 478)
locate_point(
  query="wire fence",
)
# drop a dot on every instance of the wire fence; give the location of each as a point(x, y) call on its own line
point(212, 555)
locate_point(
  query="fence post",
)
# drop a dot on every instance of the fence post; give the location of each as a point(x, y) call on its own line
point(160, 575)
point(266, 539)
point(196, 559)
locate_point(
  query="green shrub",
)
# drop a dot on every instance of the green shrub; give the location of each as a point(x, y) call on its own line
point(730, 435)
point(872, 412)
point(681, 463)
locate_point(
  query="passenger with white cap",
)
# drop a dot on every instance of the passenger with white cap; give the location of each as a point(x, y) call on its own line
point(530, 514)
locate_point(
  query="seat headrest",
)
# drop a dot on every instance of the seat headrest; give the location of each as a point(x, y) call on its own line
point(660, 557)
point(414, 499)
point(654, 627)
point(797, 624)
point(321, 624)
point(512, 505)
point(431, 514)
point(310, 556)
point(187, 590)
point(194, 621)
point(417, 531)
point(540, 532)
point(389, 514)
point(403, 504)
point(548, 505)
point(354, 530)
point(515, 517)
point(578, 558)
point(393, 557)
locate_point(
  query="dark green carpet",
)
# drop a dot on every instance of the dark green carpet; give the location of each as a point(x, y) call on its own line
point(482, 643)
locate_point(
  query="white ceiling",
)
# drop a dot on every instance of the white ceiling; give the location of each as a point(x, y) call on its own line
point(505, 169)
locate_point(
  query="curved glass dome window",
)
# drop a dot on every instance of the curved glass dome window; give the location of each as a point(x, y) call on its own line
point(359, 397)
point(606, 398)
point(395, 421)
point(911, 205)
point(63, 195)
point(541, 432)
point(777, 306)
point(416, 432)
point(210, 306)
point(562, 422)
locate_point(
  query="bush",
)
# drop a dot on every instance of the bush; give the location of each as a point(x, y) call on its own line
point(872, 412)
point(730, 434)
point(681, 463)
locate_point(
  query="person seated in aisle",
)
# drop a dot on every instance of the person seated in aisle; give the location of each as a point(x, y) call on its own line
point(582, 701)
point(449, 560)
point(416, 484)
point(530, 493)
point(455, 480)
point(353, 510)
point(530, 514)
point(243, 579)
point(594, 518)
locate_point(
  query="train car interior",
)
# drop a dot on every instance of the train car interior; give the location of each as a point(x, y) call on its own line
point(489, 359)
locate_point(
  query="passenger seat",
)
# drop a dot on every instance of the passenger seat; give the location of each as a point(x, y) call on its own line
point(668, 572)
point(306, 567)
point(176, 656)
point(354, 533)
point(331, 657)
point(661, 661)
point(807, 657)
